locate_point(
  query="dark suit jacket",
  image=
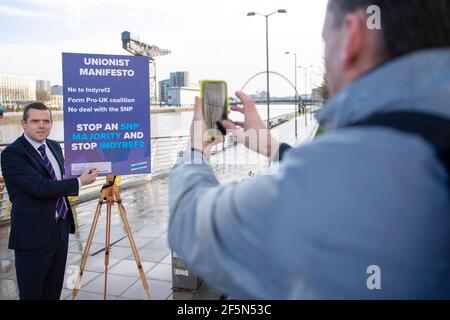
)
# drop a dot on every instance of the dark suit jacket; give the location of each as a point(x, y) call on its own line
point(33, 194)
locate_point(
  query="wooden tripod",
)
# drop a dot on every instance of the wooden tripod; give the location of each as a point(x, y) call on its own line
point(109, 194)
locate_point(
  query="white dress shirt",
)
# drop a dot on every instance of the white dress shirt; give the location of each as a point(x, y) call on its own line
point(49, 153)
point(50, 157)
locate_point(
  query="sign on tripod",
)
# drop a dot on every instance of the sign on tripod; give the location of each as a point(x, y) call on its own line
point(106, 113)
point(106, 126)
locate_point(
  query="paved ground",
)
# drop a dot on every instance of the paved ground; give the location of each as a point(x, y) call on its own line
point(147, 212)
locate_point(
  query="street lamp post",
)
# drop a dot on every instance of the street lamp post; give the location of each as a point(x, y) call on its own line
point(250, 14)
point(311, 88)
point(304, 103)
point(306, 91)
point(295, 107)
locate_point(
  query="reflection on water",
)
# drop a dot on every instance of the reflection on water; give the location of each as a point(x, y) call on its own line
point(162, 124)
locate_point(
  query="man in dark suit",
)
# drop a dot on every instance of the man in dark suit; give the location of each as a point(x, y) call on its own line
point(41, 219)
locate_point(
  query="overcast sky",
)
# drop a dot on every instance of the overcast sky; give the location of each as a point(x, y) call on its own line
point(210, 39)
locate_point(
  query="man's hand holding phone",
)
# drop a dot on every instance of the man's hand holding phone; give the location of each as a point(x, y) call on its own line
point(200, 139)
point(265, 144)
point(252, 127)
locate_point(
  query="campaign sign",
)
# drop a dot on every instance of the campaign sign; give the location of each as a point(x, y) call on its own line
point(106, 113)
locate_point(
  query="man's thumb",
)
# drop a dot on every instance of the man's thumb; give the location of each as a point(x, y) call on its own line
point(236, 131)
point(198, 106)
point(229, 125)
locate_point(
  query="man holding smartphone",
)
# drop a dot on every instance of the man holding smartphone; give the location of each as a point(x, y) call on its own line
point(371, 193)
point(41, 216)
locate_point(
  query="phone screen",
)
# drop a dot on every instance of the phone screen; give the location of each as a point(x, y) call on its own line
point(215, 106)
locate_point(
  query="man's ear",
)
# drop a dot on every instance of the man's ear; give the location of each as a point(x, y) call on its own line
point(352, 44)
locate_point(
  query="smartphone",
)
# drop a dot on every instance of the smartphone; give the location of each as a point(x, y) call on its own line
point(215, 105)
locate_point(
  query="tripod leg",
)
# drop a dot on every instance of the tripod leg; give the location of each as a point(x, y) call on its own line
point(86, 250)
point(132, 243)
point(107, 241)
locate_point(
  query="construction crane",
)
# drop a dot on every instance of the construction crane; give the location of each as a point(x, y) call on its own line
point(132, 44)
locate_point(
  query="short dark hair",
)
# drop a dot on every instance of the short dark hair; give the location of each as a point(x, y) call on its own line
point(37, 106)
point(406, 25)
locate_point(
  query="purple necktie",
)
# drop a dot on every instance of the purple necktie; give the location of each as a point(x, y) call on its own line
point(61, 206)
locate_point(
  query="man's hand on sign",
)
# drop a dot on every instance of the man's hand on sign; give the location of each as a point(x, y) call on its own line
point(88, 176)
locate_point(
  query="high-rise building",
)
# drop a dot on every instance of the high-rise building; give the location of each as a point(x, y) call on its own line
point(43, 90)
point(16, 91)
point(164, 86)
point(56, 102)
point(57, 90)
point(179, 79)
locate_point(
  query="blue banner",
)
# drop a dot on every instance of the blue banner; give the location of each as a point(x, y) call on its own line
point(106, 113)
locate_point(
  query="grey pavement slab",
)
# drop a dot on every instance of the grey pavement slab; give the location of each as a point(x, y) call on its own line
point(87, 277)
point(117, 284)
point(8, 289)
point(153, 255)
point(158, 244)
point(161, 272)
point(97, 263)
point(138, 241)
point(129, 268)
point(84, 295)
point(159, 290)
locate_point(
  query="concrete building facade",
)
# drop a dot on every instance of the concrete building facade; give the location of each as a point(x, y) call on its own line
point(16, 91)
point(177, 96)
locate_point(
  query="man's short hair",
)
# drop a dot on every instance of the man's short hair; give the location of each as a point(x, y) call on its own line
point(406, 25)
point(37, 106)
